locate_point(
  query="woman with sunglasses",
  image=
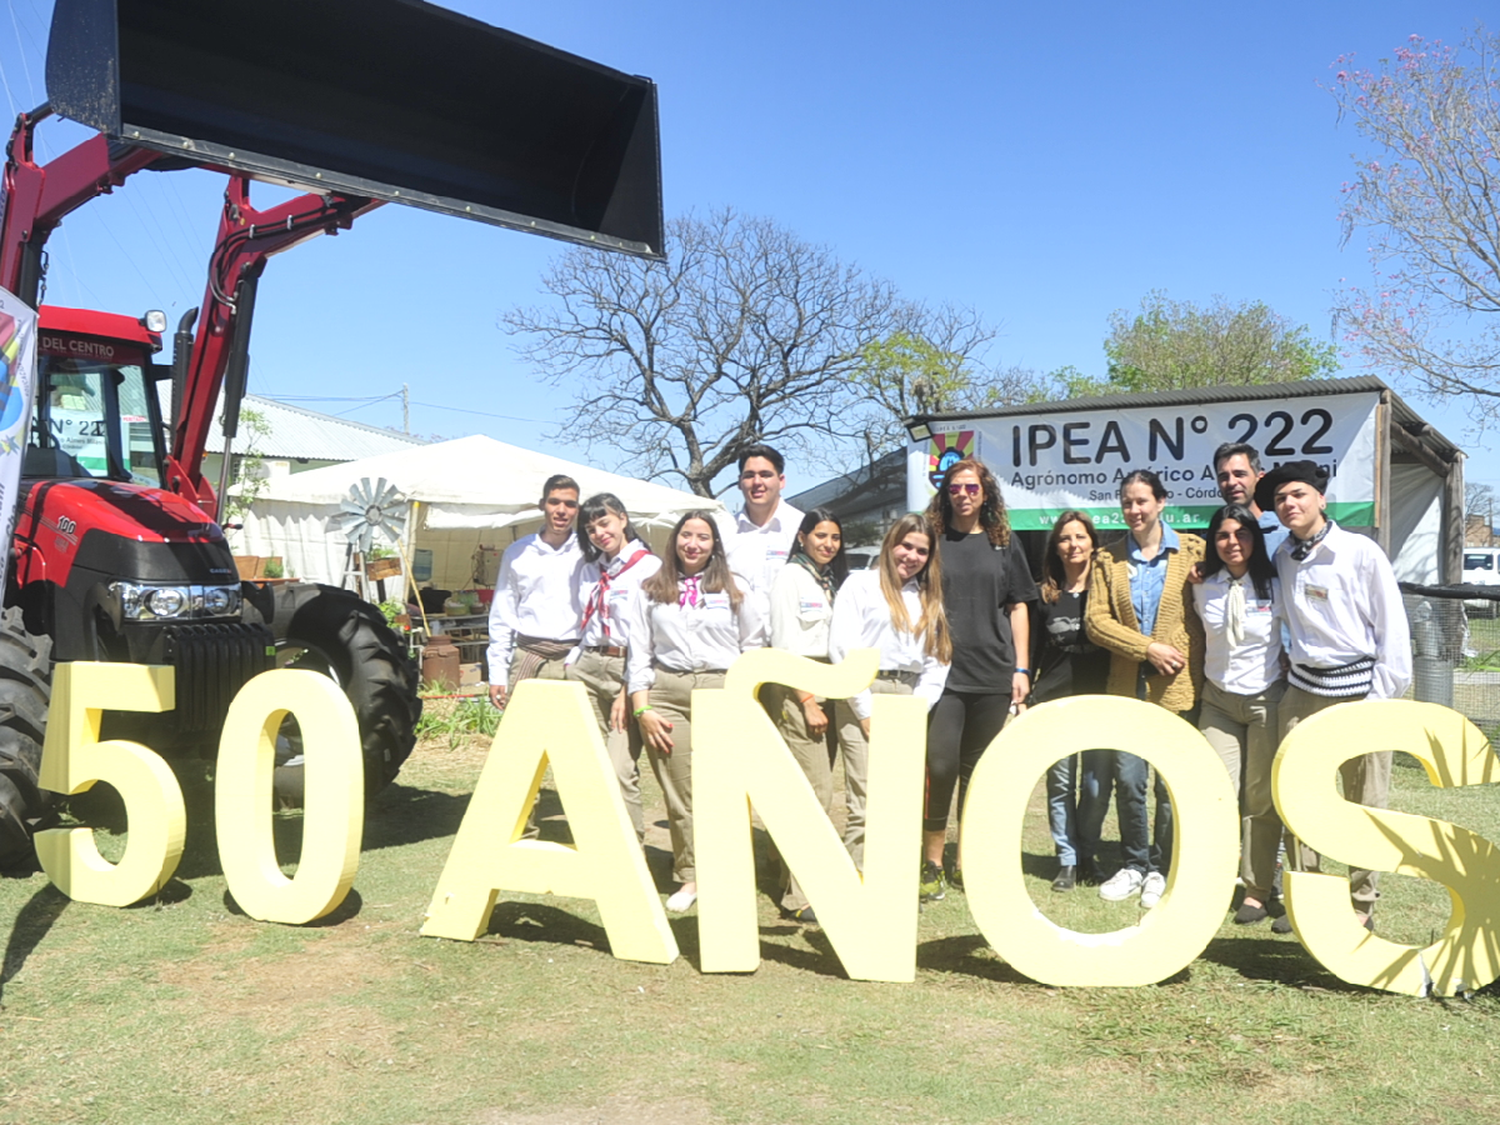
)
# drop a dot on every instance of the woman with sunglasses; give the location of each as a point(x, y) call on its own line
point(1140, 609)
point(616, 562)
point(1239, 602)
point(688, 623)
point(802, 598)
point(987, 591)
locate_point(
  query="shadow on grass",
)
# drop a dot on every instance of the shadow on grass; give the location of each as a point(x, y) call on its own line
point(1281, 960)
point(31, 925)
point(345, 910)
point(538, 922)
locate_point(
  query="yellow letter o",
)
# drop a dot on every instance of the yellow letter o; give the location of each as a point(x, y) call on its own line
point(1205, 851)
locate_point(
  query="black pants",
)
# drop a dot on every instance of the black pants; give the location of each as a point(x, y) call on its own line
point(962, 724)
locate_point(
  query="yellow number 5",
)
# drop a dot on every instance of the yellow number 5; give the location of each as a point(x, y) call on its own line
point(73, 760)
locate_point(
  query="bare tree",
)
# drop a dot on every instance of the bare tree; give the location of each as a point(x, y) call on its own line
point(1426, 195)
point(744, 334)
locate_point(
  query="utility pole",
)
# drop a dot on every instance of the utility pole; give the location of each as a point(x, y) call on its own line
point(405, 409)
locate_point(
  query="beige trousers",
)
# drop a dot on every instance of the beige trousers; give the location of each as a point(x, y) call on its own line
point(1245, 730)
point(672, 699)
point(602, 677)
point(811, 753)
point(856, 750)
point(1367, 781)
point(549, 670)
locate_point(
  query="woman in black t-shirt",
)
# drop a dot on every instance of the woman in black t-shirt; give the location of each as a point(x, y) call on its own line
point(986, 590)
point(1068, 663)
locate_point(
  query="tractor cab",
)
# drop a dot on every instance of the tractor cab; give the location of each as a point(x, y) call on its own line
point(97, 413)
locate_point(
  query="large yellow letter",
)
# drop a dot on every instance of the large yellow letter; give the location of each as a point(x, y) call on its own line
point(1204, 853)
point(551, 720)
point(333, 808)
point(73, 759)
point(739, 757)
point(1303, 783)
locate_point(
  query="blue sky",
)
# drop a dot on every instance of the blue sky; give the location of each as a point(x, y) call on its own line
point(1045, 164)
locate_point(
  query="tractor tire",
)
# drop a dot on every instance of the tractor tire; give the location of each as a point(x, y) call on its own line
point(332, 631)
point(25, 694)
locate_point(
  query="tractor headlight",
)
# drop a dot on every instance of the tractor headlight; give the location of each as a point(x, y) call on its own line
point(168, 601)
point(174, 603)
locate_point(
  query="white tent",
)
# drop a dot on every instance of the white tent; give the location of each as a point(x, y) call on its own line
point(467, 500)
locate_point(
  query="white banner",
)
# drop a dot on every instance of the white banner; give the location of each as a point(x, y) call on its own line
point(17, 389)
point(1047, 463)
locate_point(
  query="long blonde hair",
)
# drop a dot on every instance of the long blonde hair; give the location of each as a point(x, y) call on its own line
point(662, 586)
point(933, 625)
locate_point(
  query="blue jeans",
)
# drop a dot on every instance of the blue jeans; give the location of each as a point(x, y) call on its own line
point(1076, 823)
point(1130, 774)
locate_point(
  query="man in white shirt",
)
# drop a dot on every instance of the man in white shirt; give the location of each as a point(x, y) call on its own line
point(759, 537)
point(1349, 638)
point(534, 619)
point(1237, 468)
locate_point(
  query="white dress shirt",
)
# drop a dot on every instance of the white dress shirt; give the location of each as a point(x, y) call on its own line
point(706, 637)
point(1255, 664)
point(862, 619)
point(607, 627)
point(1343, 605)
point(536, 595)
point(800, 613)
point(759, 552)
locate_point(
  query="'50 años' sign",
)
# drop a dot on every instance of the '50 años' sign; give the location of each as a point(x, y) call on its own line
point(870, 918)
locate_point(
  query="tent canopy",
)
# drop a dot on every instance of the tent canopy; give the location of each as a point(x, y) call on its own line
point(471, 497)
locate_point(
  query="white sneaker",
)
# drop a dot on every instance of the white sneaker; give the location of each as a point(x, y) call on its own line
point(1152, 889)
point(681, 900)
point(1121, 885)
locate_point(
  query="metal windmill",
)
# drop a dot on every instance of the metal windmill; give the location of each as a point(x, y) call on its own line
point(367, 510)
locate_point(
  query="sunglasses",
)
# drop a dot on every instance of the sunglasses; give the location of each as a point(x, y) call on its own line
point(960, 489)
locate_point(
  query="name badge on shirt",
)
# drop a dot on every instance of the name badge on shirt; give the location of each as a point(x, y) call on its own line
point(817, 606)
point(716, 601)
point(1319, 593)
point(1255, 608)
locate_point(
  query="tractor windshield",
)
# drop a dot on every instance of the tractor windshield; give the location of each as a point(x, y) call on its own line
point(94, 419)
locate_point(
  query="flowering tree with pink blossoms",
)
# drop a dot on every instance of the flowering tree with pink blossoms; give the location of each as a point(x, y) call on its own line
point(1426, 194)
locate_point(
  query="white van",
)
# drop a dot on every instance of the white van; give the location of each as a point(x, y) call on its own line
point(1482, 568)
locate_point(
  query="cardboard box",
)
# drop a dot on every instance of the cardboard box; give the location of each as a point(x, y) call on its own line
point(468, 674)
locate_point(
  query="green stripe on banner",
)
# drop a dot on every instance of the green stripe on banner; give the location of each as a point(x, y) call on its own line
point(1359, 513)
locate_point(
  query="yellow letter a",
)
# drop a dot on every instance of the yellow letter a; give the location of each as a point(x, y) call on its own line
point(739, 757)
point(551, 721)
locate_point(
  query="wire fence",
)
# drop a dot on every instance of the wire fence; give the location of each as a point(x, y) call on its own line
point(1455, 640)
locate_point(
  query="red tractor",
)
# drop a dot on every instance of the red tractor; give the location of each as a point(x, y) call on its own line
point(117, 555)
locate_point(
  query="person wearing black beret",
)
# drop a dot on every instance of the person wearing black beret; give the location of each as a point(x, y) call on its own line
point(1349, 638)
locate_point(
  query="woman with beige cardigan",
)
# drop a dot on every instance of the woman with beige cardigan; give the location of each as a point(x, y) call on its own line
point(1140, 609)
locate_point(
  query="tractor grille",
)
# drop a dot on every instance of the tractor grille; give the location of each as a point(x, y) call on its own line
point(213, 662)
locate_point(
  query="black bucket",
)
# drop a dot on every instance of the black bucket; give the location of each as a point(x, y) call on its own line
point(390, 99)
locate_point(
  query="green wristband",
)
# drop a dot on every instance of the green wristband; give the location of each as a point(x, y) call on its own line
point(639, 711)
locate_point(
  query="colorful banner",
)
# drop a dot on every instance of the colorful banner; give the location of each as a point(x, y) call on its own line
point(1049, 462)
point(17, 389)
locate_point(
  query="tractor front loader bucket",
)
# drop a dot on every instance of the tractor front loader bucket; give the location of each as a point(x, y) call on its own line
point(396, 100)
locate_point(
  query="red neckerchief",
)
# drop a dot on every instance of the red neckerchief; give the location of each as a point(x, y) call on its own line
point(601, 592)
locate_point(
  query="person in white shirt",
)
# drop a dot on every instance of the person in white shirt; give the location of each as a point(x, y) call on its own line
point(896, 608)
point(535, 613)
point(616, 562)
point(688, 623)
point(1349, 639)
point(759, 538)
point(802, 600)
point(1239, 602)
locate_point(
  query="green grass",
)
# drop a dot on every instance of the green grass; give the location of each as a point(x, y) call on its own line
point(183, 1010)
